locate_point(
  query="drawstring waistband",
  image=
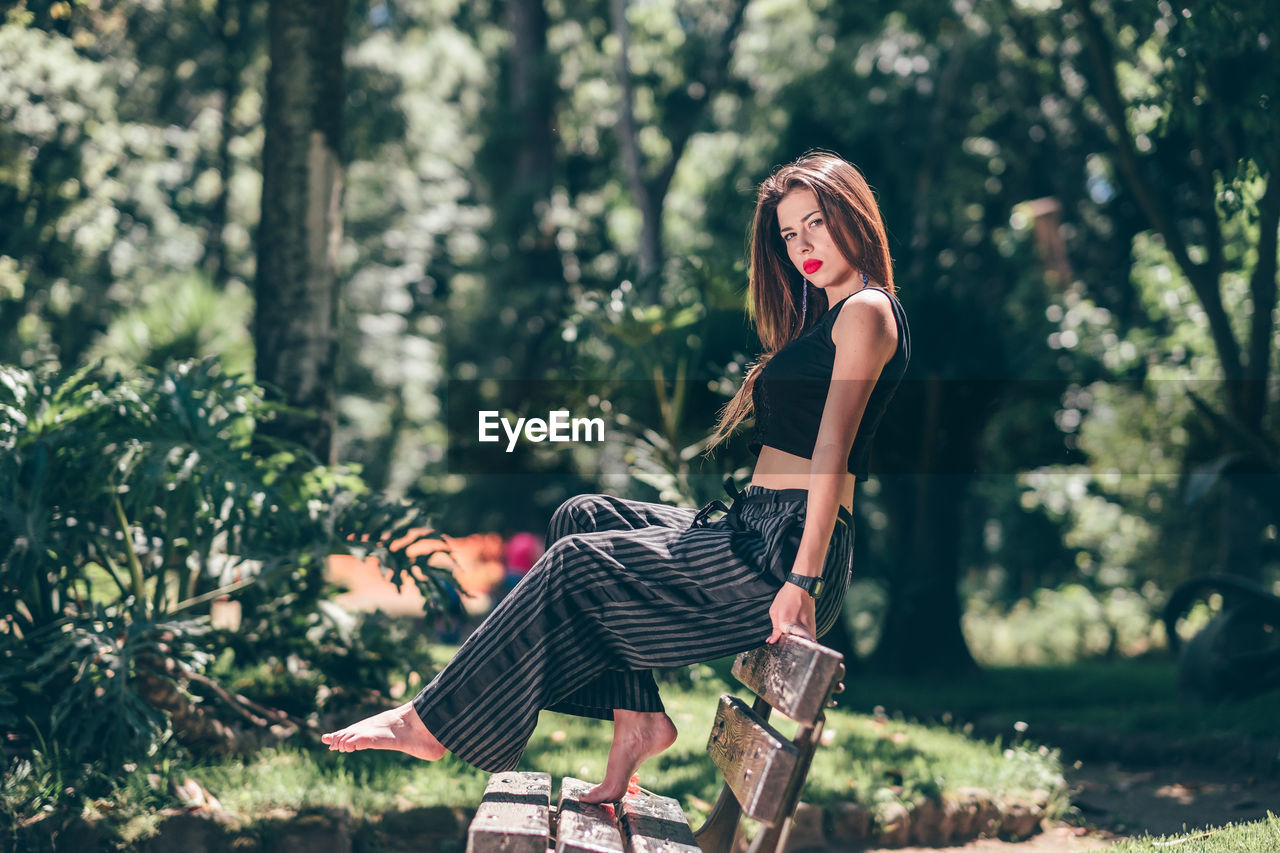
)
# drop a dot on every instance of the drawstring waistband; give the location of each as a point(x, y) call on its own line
point(718, 505)
point(765, 496)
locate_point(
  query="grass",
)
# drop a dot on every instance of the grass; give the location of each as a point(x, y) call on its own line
point(1234, 838)
point(367, 784)
point(1136, 696)
point(868, 760)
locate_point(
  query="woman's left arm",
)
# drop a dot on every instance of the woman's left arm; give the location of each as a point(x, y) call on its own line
point(866, 337)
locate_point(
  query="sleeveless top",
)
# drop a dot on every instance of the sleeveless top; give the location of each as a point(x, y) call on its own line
point(791, 390)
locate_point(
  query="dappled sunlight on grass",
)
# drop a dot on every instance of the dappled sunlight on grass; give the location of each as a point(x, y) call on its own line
point(868, 759)
point(871, 759)
point(1236, 838)
point(366, 783)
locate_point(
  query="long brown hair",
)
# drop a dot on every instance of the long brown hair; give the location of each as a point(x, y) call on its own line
point(776, 288)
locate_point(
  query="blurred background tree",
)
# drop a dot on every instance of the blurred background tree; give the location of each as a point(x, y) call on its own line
point(554, 195)
point(296, 284)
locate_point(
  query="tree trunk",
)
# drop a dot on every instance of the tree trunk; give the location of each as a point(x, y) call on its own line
point(922, 627)
point(295, 325)
point(525, 192)
point(230, 16)
point(650, 255)
point(532, 93)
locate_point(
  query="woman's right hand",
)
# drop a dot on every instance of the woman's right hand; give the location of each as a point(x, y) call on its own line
point(793, 612)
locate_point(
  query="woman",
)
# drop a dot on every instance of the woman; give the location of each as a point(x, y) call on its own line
point(625, 586)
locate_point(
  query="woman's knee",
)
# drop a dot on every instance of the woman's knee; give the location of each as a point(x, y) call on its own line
point(570, 562)
point(576, 515)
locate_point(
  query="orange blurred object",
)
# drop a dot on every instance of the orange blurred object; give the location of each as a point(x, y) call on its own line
point(476, 563)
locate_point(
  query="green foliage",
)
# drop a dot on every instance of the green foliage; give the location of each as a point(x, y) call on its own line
point(86, 667)
point(1126, 518)
point(1063, 625)
point(128, 504)
point(129, 150)
point(650, 362)
point(413, 235)
point(179, 319)
point(110, 171)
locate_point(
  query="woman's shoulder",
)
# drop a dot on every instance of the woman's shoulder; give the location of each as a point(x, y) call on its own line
point(863, 312)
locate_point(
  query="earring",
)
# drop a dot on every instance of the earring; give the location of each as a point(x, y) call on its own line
point(804, 300)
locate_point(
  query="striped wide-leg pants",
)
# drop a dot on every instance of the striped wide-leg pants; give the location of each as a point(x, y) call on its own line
point(624, 587)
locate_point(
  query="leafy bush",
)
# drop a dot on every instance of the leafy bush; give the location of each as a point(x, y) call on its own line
point(1064, 625)
point(127, 506)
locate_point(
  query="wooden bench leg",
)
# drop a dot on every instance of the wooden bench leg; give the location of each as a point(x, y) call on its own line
point(773, 838)
point(720, 831)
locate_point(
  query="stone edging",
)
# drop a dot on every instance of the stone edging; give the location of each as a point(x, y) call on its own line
point(962, 815)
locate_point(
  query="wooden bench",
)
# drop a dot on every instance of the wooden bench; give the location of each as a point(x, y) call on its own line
point(763, 773)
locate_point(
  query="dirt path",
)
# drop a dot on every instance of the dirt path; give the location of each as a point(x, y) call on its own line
point(1055, 839)
point(1168, 800)
point(1115, 802)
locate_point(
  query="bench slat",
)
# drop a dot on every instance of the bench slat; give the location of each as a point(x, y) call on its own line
point(514, 815)
point(795, 675)
point(584, 827)
point(754, 758)
point(655, 824)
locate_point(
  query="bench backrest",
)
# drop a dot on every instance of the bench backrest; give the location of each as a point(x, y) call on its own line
point(762, 769)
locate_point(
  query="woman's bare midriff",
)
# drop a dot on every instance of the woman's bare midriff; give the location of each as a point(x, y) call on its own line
point(777, 469)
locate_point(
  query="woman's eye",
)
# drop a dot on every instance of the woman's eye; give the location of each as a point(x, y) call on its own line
point(815, 222)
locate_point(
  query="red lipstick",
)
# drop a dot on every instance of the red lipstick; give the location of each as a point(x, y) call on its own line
point(811, 266)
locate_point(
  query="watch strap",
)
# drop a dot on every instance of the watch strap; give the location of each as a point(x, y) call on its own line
point(812, 585)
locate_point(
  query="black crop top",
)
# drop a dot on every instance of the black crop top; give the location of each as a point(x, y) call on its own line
point(791, 391)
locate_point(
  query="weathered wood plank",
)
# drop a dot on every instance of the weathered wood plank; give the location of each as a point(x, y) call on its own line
point(655, 824)
point(584, 827)
point(514, 815)
point(795, 675)
point(755, 760)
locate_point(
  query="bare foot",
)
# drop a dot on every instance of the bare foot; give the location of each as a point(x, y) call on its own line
point(400, 729)
point(637, 737)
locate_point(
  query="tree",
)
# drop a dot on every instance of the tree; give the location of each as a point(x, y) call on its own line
point(704, 63)
point(295, 324)
point(1186, 97)
point(942, 108)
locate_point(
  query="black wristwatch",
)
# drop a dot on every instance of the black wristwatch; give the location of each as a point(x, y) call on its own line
point(813, 586)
